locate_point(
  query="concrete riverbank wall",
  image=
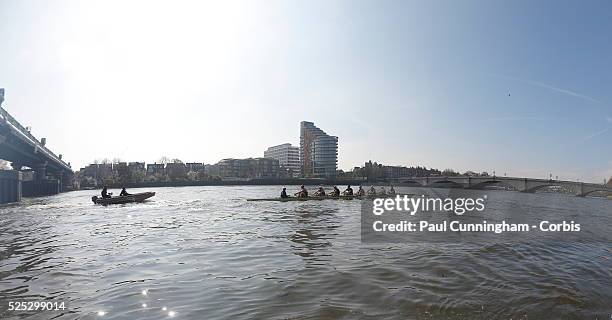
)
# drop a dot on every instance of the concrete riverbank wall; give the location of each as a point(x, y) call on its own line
point(40, 188)
point(13, 187)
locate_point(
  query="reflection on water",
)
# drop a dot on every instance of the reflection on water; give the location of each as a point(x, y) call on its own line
point(206, 253)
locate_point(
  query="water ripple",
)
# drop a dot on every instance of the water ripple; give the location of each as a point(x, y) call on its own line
point(204, 252)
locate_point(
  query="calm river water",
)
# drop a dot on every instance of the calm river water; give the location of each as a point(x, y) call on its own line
point(206, 253)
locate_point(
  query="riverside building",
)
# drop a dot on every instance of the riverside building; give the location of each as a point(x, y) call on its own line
point(248, 168)
point(318, 151)
point(288, 158)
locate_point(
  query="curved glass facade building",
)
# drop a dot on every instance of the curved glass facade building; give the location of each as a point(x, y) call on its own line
point(318, 151)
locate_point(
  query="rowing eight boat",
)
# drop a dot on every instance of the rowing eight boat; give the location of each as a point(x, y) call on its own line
point(322, 198)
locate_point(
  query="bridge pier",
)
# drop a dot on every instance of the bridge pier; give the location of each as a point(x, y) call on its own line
point(41, 172)
point(60, 178)
point(64, 179)
point(16, 166)
point(42, 185)
point(10, 186)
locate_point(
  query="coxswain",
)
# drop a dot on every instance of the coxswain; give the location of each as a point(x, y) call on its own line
point(284, 193)
point(105, 193)
point(348, 191)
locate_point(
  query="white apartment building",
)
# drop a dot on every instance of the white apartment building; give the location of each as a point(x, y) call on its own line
point(288, 157)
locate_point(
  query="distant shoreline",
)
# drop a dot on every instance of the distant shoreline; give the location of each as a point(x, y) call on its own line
point(257, 182)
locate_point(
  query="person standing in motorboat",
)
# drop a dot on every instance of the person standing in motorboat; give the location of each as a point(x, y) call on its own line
point(105, 193)
point(124, 193)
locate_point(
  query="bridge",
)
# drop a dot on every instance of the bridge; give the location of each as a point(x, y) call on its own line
point(513, 183)
point(48, 173)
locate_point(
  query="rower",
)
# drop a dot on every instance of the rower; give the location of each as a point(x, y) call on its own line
point(372, 191)
point(124, 193)
point(303, 193)
point(336, 192)
point(360, 192)
point(383, 192)
point(284, 193)
point(320, 192)
point(105, 193)
point(348, 191)
point(391, 191)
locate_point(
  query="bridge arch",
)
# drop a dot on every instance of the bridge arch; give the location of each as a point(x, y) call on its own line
point(596, 190)
point(411, 182)
point(445, 184)
point(489, 183)
point(551, 184)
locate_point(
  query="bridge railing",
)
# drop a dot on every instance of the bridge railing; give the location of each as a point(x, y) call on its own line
point(24, 131)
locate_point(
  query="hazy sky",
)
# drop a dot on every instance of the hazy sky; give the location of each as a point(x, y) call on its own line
point(523, 87)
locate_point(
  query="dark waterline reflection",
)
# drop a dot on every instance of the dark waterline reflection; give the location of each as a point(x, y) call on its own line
point(206, 253)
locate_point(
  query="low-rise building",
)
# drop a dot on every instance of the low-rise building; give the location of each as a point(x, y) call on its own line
point(121, 172)
point(92, 175)
point(176, 171)
point(156, 169)
point(137, 166)
point(194, 166)
point(105, 170)
point(91, 171)
point(137, 171)
point(248, 168)
point(374, 171)
point(395, 171)
point(120, 166)
point(211, 170)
